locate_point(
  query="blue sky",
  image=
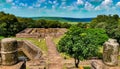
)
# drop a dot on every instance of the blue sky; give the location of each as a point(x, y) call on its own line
point(60, 8)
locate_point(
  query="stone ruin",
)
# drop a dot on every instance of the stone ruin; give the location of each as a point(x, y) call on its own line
point(41, 32)
point(110, 56)
point(9, 59)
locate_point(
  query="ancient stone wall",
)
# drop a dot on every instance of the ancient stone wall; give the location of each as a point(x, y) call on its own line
point(41, 32)
point(30, 50)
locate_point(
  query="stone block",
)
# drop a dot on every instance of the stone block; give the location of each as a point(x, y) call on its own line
point(9, 53)
point(96, 65)
point(110, 52)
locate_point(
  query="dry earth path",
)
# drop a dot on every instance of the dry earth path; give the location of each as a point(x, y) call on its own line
point(55, 61)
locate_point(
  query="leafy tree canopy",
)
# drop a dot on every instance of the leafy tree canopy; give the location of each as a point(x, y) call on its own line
point(109, 23)
point(82, 43)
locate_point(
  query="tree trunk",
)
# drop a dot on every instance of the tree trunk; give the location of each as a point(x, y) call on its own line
point(77, 63)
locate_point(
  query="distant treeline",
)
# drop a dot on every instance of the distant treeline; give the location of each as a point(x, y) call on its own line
point(110, 23)
point(10, 24)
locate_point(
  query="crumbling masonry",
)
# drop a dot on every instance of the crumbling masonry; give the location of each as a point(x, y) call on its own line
point(110, 56)
point(9, 48)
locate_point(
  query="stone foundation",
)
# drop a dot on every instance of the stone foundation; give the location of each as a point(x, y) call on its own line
point(20, 65)
point(41, 32)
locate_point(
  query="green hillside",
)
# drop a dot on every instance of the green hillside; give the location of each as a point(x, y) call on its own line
point(64, 19)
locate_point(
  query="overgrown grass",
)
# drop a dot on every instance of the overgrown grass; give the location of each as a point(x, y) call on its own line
point(1, 37)
point(56, 40)
point(119, 57)
point(87, 67)
point(101, 49)
point(40, 43)
point(65, 56)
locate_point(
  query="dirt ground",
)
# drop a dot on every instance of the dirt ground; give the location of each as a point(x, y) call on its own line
point(54, 59)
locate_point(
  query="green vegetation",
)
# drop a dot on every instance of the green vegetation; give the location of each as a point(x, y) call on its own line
point(56, 40)
point(40, 43)
point(82, 43)
point(118, 57)
point(110, 24)
point(1, 37)
point(10, 24)
point(64, 19)
point(87, 67)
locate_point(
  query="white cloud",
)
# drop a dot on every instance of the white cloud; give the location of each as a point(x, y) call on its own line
point(9, 1)
point(80, 2)
point(89, 6)
point(4, 8)
point(23, 4)
point(105, 5)
point(50, 2)
point(13, 3)
point(96, 0)
point(107, 2)
point(118, 4)
point(30, 7)
point(41, 1)
point(14, 7)
point(98, 8)
point(54, 2)
point(53, 6)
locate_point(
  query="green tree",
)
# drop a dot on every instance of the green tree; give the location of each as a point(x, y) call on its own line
point(8, 24)
point(110, 24)
point(82, 43)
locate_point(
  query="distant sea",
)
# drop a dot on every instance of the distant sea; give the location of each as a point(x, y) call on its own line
point(64, 19)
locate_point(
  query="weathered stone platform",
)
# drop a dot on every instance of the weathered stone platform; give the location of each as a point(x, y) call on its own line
point(41, 32)
point(36, 64)
point(19, 65)
point(98, 64)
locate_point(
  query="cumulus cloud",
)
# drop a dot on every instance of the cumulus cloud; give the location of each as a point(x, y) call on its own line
point(80, 2)
point(14, 7)
point(96, 0)
point(41, 1)
point(118, 4)
point(98, 8)
point(107, 2)
point(23, 4)
point(9, 1)
point(89, 6)
point(53, 6)
point(30, 7)
point(106, 5)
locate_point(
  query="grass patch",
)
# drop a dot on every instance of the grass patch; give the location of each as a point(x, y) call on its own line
point(119, 57)
point(56, 40)
point(1, 37)
point(87, 67)
point(40, 43)
point(101, 49)
point(65, 56)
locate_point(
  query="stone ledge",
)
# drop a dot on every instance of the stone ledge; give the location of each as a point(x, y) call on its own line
point(20, 65)
point(98, 64)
